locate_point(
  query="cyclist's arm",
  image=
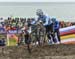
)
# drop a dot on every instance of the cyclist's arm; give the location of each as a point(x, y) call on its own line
point(46, 23)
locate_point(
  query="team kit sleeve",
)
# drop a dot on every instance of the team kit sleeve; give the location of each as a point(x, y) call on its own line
point(47, 19)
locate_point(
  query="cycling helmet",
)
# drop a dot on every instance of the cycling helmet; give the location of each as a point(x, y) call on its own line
point(39, 12)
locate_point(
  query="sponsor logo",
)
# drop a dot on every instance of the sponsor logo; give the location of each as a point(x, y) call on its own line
point(14, 31)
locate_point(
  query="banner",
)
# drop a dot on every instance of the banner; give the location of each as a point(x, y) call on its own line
point(2, 30)
point(14, 32)
point(12, 40)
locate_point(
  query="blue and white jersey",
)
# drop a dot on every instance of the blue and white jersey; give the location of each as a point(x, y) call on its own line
point(45, 19)
point(56, 25)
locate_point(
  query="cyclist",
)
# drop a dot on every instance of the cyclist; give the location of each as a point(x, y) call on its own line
point(56, 27)
point(26, 31)
point(46, 22)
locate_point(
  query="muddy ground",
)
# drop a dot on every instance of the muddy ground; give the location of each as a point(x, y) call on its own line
point(44, 52)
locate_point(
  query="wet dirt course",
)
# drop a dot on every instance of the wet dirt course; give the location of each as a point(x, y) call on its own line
point(61, 51)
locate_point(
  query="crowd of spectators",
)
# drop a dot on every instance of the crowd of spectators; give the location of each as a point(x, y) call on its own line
point(17, 23)
point(66, 24)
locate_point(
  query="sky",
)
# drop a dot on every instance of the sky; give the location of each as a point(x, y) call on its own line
point(37, 0)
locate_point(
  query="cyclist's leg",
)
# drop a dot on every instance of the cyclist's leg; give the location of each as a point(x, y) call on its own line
point(52, 33)
point(48, 32)
point(28, 47)
point(58, 35)
point(41, 36)
point(53, 38)
point(37, 36)
point(28, 42)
